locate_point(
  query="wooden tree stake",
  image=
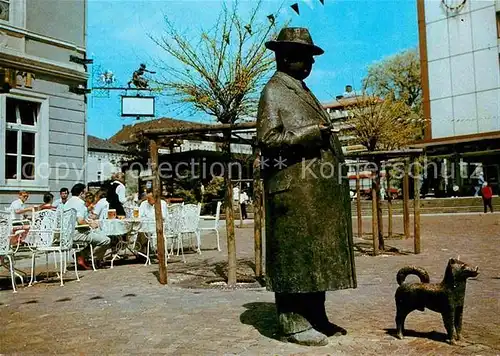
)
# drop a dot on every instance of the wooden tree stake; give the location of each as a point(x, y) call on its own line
point(389, 201)
point(257, 214)
point(162, 262)
point(416, 206)
point(231, 240)
point(406, 201)
point(374, 218)
point(358, 202)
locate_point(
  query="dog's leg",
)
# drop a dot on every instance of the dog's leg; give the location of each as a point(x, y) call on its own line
point(449, 324)
point(400, 321)
point(459, 311)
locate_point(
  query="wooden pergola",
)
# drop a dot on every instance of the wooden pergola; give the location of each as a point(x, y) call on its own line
point(405, 155)
point(212, 133)
point(207, 133)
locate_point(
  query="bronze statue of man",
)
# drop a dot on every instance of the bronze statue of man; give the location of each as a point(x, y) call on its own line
point(309, 247)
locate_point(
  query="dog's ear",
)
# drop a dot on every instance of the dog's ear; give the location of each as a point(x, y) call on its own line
point(458, 258)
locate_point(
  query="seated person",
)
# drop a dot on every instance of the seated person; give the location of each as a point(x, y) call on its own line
point(147, 212)
point(89, 203)
point(101, 206)
point(48, 199)
point(63, 198)
point(147, 208)
point(95, 237)
point(18, 207)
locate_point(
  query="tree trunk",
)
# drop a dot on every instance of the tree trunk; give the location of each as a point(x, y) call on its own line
point(231, 241)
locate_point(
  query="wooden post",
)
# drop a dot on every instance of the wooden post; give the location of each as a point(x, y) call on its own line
point(406, 202)
point(231, 240)
point(380, 217)
point(257, 214)
point(162, 262)
point(416, 206)
point(374, 217)
point(389, 200)
point(239, 205)
point(358, 202)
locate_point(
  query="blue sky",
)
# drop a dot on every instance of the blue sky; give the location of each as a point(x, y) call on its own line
point(354, 34)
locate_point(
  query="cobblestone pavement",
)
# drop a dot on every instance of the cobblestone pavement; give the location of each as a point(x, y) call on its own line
point(125, 311)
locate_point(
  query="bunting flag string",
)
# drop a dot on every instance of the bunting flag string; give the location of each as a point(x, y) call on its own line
point(322, 2)
point(271, 19)
point(295, 8)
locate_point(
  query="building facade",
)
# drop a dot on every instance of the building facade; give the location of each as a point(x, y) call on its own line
point(459, 50)
point(42, 119)
point(463, 66)
point(104, 158)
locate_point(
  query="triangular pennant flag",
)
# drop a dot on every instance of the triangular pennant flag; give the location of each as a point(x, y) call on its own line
point(295, 8)
point(322, 2)
point(271, 19)
point(226, 38)
point(249, 29)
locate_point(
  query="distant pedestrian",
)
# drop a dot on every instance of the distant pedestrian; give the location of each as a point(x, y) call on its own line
point(243, 204)
point(487, 194)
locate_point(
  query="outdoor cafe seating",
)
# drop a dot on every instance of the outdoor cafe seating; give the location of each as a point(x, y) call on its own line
point(51, 232)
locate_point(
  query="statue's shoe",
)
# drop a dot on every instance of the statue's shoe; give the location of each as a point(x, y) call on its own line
point(309, 337)
point(330, 329)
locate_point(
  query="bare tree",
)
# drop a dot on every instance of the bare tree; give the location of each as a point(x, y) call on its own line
point(382, 125)
point(220, 73)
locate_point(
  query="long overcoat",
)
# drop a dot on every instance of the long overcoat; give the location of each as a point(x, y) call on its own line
point(309, 244)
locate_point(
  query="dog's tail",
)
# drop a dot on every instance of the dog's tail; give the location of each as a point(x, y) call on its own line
point(418, 271)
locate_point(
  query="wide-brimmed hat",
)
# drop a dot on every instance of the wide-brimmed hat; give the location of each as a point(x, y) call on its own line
point(294, 36)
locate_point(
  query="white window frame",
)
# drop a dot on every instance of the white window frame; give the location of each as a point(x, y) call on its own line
point(41, 181)
point(17, 14)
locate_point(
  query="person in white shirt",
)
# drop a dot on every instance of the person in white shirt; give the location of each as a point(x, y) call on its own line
point(236, 192)
point(63, 198)
point(101, 207)
point(243, 204)
point(147, 208)
point(96, 238)
point(147, 212)
point(18, 207)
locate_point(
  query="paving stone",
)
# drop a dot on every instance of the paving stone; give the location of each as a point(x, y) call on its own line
point(125, 310)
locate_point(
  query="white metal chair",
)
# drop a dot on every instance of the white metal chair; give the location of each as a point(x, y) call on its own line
point(190, 222)
point(215, 226)
point(6, 249)
point(172, 228)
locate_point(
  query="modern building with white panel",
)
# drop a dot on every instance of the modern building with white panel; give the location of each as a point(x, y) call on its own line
point(459, 48)
point(43, 116)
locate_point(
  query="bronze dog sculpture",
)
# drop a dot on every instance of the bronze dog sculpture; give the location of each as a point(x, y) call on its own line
point(446, 297)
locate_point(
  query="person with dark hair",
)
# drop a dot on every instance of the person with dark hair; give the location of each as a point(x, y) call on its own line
point(63, 197)
point(96, 238)
point(48, 198)
point(116, 194)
